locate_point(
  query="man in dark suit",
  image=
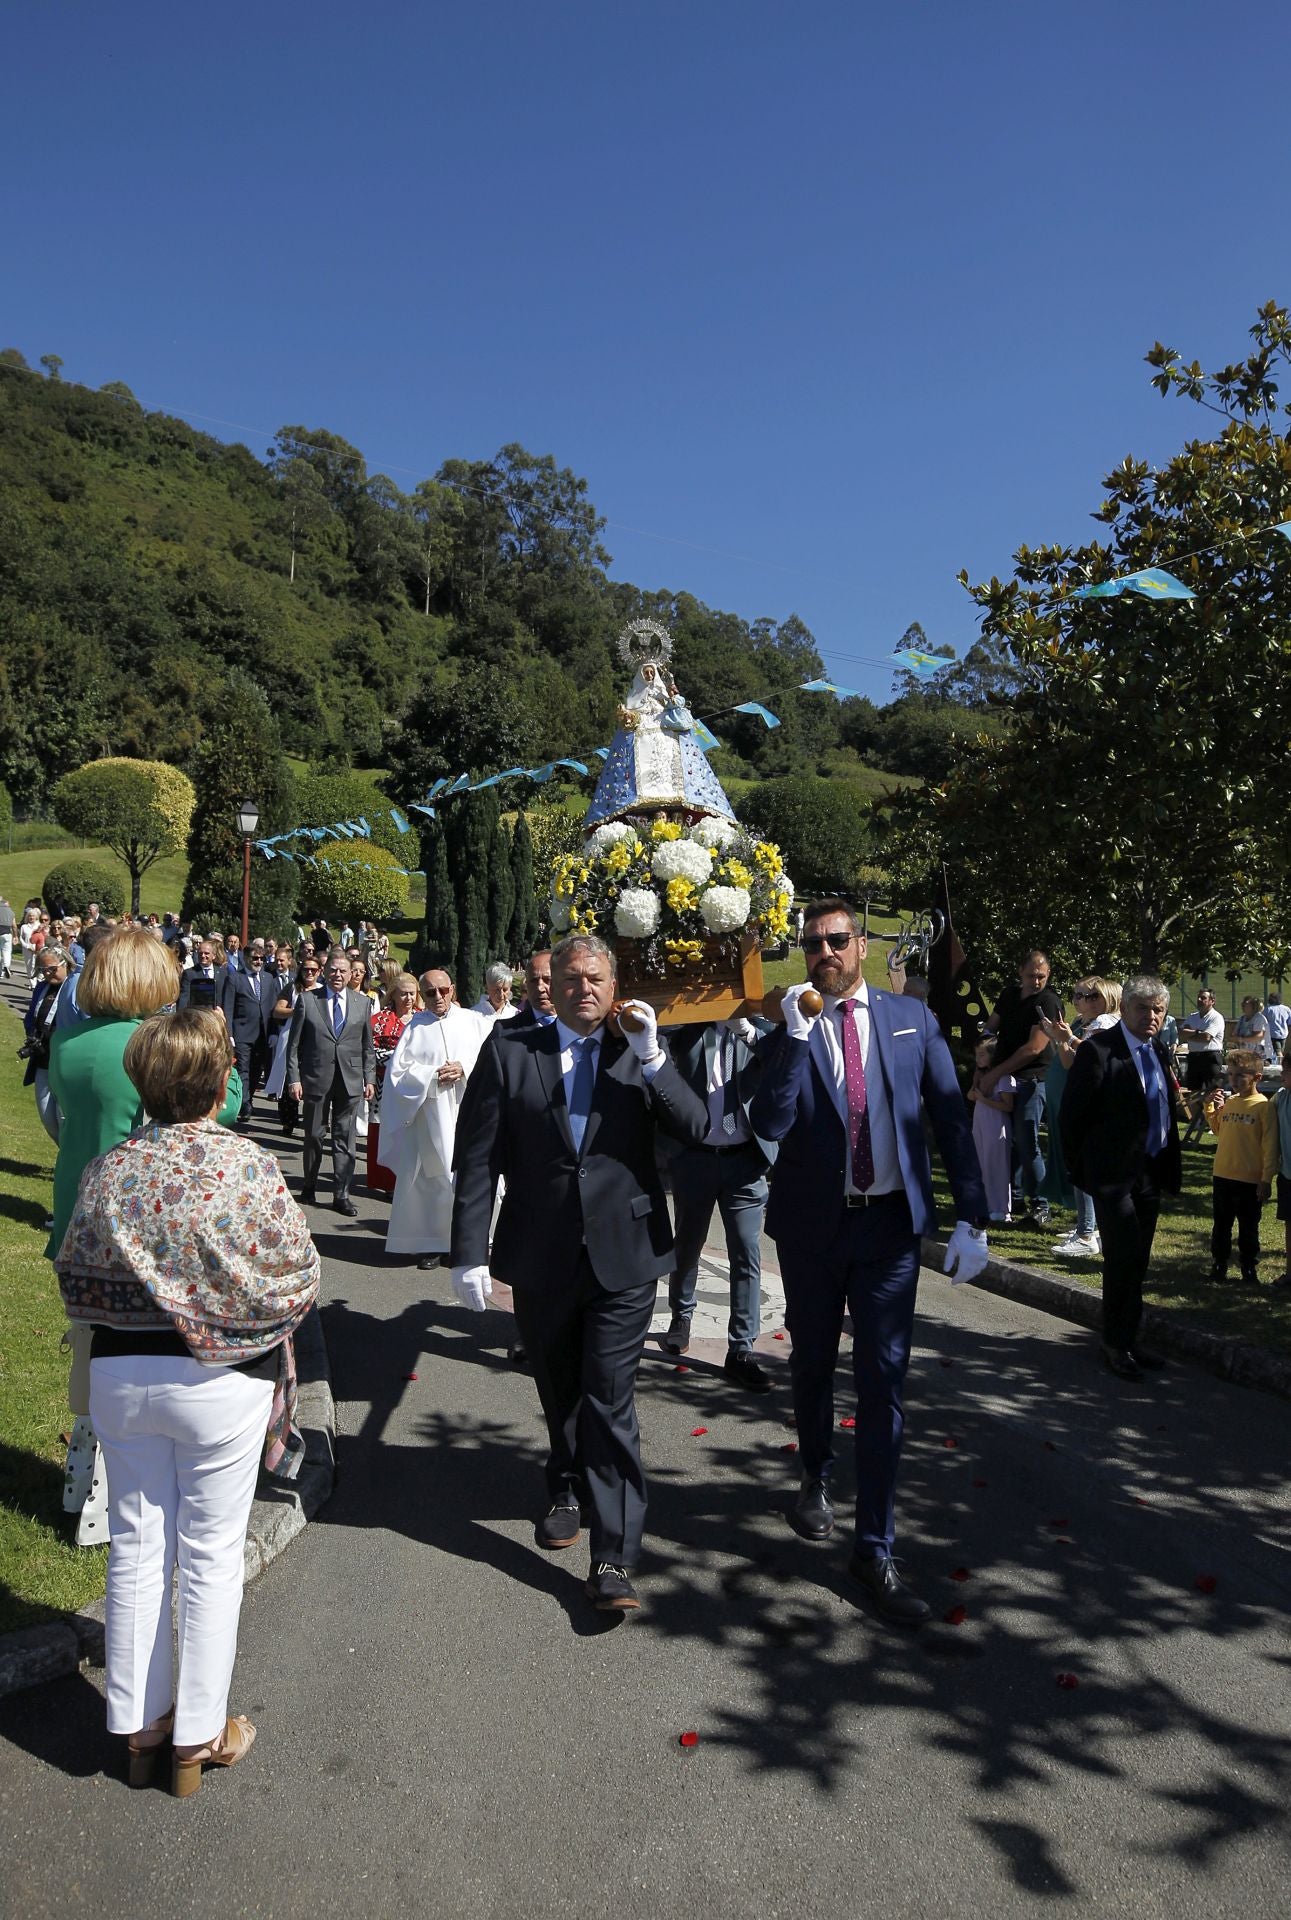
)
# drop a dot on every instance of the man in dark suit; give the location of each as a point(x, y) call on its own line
point(728, 1171)
point(567, 1114)
point(255, 994)
point(845, 1094)
point(331, 1062)
point(537, 1009)
point(205, 984)
point(1120, 1137)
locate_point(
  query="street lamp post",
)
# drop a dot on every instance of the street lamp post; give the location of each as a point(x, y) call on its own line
point(248, 821)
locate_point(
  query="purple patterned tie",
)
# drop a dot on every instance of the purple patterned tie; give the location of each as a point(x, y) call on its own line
point(858, 1111)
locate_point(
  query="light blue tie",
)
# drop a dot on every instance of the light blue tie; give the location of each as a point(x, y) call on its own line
point(580, 1093)
point(1154, 1090)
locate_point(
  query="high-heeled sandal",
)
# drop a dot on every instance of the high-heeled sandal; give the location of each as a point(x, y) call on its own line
point(233, 1744)
point(144, 1748)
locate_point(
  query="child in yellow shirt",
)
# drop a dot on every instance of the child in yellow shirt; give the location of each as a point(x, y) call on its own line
point(1245, 1162)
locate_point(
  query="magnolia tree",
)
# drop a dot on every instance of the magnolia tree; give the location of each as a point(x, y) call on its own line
point(140, 809)
point(1124, 818)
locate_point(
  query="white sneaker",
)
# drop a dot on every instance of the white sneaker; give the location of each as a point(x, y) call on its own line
point(1083, 1246)
point(1065, 1244)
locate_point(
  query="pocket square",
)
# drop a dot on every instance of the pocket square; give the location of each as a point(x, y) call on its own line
point(899, 1033)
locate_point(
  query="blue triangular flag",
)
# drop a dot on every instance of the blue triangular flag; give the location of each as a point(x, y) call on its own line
point(767, 718)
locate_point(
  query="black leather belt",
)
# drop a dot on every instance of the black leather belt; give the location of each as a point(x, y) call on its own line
point(872, 1199)
point(739, 1147)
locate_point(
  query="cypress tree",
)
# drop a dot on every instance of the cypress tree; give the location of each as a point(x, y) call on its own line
point(439, 948)
point(502, 893)
point(469, 833)
point(240, 756)
point(522, 935)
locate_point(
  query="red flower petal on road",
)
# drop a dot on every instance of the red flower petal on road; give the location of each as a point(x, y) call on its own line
point(681, 1369)
point(688, 1739)
point(1139, 1501)
point(777, 1336)
point(790, 1446)
point(849, 1422)
point(696, 1431)
point(1206, 1582)
point(950, 1441)
point(961, 1573)
point(1067, 1680)
point(956, 1617)
point(980, 1483)
point(410, 1376)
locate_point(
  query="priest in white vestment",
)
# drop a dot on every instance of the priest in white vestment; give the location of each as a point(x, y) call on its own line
point(424, 1087)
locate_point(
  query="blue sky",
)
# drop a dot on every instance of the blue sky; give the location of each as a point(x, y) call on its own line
point(825, 301)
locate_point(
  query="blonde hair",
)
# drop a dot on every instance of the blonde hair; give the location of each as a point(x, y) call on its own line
point(401, 983)
point(180, 1063)
point(1244, 1060)
point(129, 974)
point(388, 972)
point(1108, 991)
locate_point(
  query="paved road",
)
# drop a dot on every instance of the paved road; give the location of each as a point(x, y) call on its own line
point(446, 1728)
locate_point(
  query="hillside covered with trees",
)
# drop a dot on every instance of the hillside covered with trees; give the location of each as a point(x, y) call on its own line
point(147, 571)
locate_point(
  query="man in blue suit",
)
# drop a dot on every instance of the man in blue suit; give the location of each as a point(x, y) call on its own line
point(845, 1093)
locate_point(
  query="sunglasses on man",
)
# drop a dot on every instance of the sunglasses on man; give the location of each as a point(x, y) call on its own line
point(817, 942)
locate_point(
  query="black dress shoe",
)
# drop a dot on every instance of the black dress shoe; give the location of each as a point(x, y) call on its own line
point(677, 1338)
point(745, 1371)
point(343, 1204)
point(813, 1512)
point(560, 1526)
point(1121, 1362)
point(886, 1593)
point(308, 1198)
point(1149, 1361)
point(516, 1354)
point(610, 1590)
point(428, 1262)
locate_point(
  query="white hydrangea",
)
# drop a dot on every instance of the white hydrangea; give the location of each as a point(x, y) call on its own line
point(712, 831)
point(558, 912)
point(723, 909)
point(637, 914)
point(682, 860)
point(603, 838)
point(783, 884)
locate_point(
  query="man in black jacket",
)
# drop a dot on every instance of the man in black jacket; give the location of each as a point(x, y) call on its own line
point(1121, 1141)
point(567, 1114)
point(255, 994)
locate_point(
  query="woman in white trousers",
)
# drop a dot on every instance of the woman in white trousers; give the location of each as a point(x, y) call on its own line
point(193, 1265)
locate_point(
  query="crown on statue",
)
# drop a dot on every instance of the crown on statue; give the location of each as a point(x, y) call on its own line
point(643, 640)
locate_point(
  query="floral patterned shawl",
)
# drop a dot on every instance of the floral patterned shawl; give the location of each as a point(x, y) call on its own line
point(191, 1228)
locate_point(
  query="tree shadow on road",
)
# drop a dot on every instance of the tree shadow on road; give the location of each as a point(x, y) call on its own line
point(1079, 1513)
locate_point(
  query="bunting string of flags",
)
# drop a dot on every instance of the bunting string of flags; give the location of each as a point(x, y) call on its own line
point(1152, 583)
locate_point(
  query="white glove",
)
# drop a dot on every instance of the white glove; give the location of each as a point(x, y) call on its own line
point(798, 1023)
point(966, 1253)
point(643, 1040)
point(473, 1286)
point(742, 1027)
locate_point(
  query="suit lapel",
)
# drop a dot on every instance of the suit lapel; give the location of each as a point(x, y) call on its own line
point(546, 1055)
point(824, 1064)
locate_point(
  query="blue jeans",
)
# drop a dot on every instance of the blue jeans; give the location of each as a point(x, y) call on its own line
point(734, 1182)
point(1085, 1221)
point(1028, 1161)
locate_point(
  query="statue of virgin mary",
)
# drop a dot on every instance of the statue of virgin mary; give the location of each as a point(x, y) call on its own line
point(655, 760)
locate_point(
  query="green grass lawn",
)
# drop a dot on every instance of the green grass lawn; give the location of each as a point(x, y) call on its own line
point(1180, 1262)
point(41, 1572)
point(22, 874)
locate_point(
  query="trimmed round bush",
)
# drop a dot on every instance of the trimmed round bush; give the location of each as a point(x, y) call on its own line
point(353, 880)
point(70, 887)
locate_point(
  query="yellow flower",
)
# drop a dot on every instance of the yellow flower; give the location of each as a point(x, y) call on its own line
point(665, 830)
point(767, 857)
point(584, 875)
point(736, 874)
point(681, 895)
point(680, 952)
point(618, 859)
